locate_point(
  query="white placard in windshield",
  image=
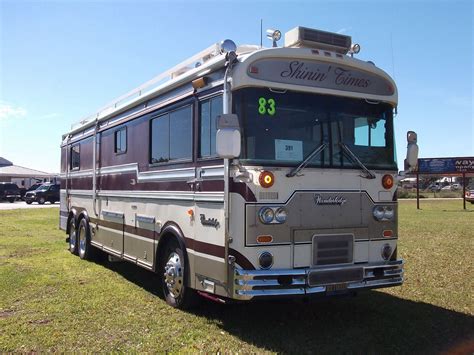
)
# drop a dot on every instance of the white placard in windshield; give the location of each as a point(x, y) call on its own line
point(288, 150)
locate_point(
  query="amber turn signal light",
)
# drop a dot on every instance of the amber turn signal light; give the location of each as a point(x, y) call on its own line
point(262, 239)
point(387, 181)
point(266, 179)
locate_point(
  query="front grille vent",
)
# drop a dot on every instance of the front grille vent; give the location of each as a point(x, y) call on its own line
point(333, 249)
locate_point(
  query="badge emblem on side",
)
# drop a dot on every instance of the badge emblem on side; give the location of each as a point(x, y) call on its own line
point(212, 222)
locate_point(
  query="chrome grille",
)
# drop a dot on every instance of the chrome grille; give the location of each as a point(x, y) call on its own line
point(333, 249)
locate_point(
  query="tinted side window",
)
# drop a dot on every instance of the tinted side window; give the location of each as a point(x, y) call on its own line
point(75, 156)
point(121, 140)
point(209, 110)
point(181, 134)
point(171, 136)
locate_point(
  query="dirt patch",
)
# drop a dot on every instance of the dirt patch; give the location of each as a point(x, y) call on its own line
point(40, 321)
point(6, 313)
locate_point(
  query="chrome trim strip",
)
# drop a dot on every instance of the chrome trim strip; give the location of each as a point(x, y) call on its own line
point(112, 214)
point(145, 219)
point(212, 172)
point(215, 196)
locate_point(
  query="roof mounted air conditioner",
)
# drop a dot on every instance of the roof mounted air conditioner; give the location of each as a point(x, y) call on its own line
point(308, 37)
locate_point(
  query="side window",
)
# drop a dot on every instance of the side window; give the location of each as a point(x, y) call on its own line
point(120, 141)
point(75, 157)
point(171, 136)
point(209, 110)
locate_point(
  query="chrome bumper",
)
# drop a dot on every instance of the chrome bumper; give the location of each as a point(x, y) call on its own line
point(250, 284)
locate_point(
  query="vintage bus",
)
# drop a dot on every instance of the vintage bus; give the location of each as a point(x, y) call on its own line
point(244, 173)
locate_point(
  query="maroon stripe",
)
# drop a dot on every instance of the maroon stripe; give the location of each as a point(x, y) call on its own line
point(242, 189)
point(206, 248)
point(202, 247)
point(241, 260)
point(127, 182)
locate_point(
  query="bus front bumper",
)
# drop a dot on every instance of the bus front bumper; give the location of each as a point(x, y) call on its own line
point(249, 284)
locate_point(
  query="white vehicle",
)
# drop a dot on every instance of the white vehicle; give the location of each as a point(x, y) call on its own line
point(245, 173)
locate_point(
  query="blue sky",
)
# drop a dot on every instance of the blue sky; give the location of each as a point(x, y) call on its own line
point(61, 60)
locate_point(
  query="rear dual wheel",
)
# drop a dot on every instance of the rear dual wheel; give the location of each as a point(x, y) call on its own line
point(72, 236)
point(80, 239)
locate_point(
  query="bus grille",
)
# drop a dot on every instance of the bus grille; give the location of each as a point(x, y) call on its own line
point(333, 249)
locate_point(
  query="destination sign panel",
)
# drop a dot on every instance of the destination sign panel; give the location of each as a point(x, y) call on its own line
point(446, 165)
point(320, 74)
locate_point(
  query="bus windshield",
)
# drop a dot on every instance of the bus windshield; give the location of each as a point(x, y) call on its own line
point(283, 128)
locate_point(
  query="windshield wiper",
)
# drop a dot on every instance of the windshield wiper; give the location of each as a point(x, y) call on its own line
point(306, 160)
point(370, 175)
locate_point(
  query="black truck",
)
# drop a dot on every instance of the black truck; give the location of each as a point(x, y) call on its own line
point(44, 193)
point(9, 192)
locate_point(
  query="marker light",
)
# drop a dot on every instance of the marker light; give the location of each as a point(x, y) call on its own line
point(263, 239)
point(266, 179)
point(387, 181)
point(388, 233)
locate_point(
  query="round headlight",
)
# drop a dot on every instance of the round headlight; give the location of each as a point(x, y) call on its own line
point(280, 215)
point(266, 215)
point(389, 213)
point(379, 213)
point(265, 260)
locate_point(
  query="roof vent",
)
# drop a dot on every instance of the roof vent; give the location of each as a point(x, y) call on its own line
point(308, 37)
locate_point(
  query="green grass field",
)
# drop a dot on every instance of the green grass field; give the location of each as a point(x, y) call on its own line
point(53, 301)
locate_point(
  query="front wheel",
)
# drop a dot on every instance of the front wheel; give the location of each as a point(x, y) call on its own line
point(28, 202)
point(11, 200)
point(42, 200)
point(175, 275)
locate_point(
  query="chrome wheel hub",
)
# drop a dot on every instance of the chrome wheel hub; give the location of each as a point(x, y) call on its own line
point(173, 275)
point(72, 238)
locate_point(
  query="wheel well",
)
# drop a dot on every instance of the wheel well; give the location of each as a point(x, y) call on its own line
point(72, 214)
point(167, 237)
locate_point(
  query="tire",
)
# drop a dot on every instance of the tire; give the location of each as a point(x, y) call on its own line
point(41, 201)
point(72, 236)
point(29, 202)
point(11, 200)
point(175, 274)
point(85, 249)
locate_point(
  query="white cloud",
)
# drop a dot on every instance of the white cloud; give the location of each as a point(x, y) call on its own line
point(9, 111)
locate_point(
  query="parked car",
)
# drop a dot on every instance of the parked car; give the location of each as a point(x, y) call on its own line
point(434, 187)
point(44, 193)
point(23, 191)
point(470, 194)
point(9, 191)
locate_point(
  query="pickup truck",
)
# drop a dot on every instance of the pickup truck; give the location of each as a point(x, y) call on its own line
point(9, 192)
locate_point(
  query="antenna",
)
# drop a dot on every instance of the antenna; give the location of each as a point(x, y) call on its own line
point(261, 33)
point(393, 57)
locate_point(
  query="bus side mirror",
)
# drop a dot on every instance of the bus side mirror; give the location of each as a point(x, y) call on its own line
point(412, 151)
point(228, 136)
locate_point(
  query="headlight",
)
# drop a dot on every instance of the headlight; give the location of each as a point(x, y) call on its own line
point(280, 215)
point(266, 215)
point(383, 213)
